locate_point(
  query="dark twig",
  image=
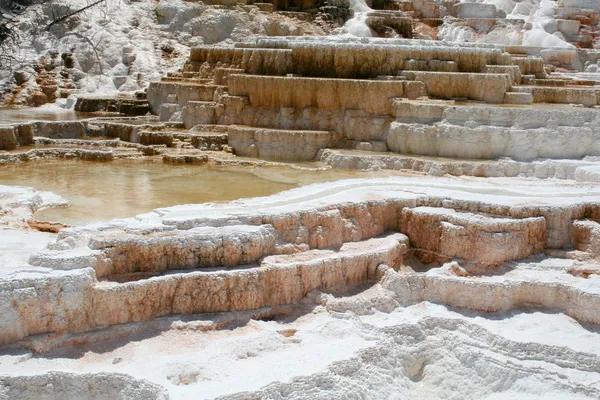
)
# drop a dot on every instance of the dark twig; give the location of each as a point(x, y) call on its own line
point(59, 20)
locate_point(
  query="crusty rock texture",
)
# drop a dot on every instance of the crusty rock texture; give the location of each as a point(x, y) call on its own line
point(481, 281)
point(414, 359)
point(18, 204)
point(192, 259)
point(445, 233)
point(416, 97)
point(79, 386)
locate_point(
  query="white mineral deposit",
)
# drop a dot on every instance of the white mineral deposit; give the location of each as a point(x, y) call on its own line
point(300, 199)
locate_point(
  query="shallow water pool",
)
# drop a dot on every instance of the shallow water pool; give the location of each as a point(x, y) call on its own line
point(26, 114)
point(124, 188)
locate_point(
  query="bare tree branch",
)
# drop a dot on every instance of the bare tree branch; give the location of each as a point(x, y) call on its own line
point(94, 48)
point(61, 19)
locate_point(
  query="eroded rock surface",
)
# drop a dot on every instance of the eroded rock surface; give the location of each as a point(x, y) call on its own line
point(481, 282)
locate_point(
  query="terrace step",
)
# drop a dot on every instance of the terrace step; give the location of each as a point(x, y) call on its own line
point(277, 280)
point(484, 132)
point(179, 93)
point(199, 112)
point(443, 234)
point(202, 247)
point(167, 137)
point(185, 80)
point(209, 140)
point(586, 236)
point(440, 166)
point(221, 74)
point(518, 98)
point(167, 110)
point(563, 82)
point(322, 93)
point(530, 65)
point(488, 87)
point(359, 60)
point(586, 96)
point(279, 144)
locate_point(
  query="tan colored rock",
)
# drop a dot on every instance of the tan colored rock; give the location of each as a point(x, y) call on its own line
point(475, 238)
point(586, 236)
point(279, 144)
point(159, 92)
point(327, 94)
point(37, 99)
point(278, 280)
point(490, 88)
point(196, 248)
point(8, 138)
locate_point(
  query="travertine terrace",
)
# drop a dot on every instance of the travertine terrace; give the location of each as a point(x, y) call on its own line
point(465, 265)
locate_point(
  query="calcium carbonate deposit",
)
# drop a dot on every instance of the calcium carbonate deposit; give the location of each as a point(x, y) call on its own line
point(300, 199)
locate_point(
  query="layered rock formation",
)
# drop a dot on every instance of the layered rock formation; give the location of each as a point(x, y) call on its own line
point(462, 285)
point(288, 87)
point(154, 265)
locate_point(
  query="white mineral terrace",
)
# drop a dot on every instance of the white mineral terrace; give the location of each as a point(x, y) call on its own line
point(300, 200)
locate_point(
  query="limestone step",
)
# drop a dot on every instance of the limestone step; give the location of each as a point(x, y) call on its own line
point(155, 138)
point(431, 65)
point(440, 166)
point(184, 80)
point(191, 67)
point(488, 87)
point(167, 110)
point(349, 60)
point(199, 112)
point(201, 247)
point(221, 74)
point(483, 132)
point(563, 82)
point(444, 234)
point(13, 136)
point(585, 96)
point(518, 98)
point(211, 129)
point(291, 41)
point(530, 66)
point(186, 158)
point(174, 137)
point(513, 70)
point(251, 60)
point(162, 136)
point(277, 280)
point(274, 144)
point(586, 236)
point(279, 144)
point(184, 74)
point(268, 143)
point(561, 57)
point(126, 130)
point(430, 111)
point(122, 105)
point(179, 93)
point(209, 140)
point(322, 93)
